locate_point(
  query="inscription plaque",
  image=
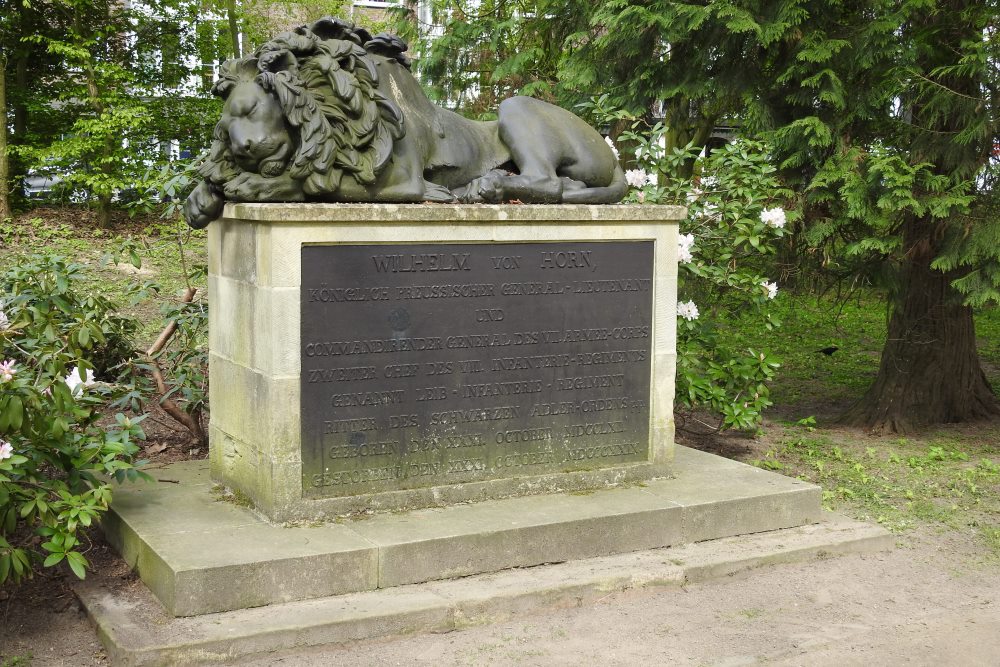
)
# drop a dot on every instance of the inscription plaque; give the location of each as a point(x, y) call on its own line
point(429, 364)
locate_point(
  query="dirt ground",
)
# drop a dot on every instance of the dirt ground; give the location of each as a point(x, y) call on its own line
point(933, 600)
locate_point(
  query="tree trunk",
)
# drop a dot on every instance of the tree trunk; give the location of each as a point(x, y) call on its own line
point(98, 107)
point(930, 371)
point(685, 127)
point(18, 111)
point(234, 30)
point(104, 211)
point(21, 109)
point(4, 164)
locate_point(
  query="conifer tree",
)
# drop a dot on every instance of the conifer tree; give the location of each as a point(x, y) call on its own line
point(885, 116)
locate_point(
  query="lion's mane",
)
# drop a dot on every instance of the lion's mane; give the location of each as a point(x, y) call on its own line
point(326, 83)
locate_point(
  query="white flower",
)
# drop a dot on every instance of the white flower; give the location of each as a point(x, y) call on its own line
point(636, 177)
point(708, 211)
point(685, 243)
point(773, 217)
point(772, 289)
point(4, 322)
point(688, 310)
point(75, 383)
point(614, 149)
point(6, 450)
point(7, 371)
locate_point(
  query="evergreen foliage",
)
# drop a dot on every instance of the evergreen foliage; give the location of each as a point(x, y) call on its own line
point(885, 118)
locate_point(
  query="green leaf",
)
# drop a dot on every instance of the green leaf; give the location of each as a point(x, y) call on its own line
point(20, 562)
point(54, 559)
point(16, 411)
point(27, 508)
point(78, 564)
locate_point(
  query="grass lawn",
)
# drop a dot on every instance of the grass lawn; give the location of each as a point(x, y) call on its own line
point(947, 476)
point(167, 250)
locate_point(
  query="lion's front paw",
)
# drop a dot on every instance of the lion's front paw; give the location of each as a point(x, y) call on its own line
point(203, 206)
point(487, 189)
point(438, 193)
point(250, 187)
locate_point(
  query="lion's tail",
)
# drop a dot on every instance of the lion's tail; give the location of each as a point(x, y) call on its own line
point(610, 194)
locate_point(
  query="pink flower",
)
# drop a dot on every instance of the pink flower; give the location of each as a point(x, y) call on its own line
point(7, 371)
point(637, 178)
point(6, 450)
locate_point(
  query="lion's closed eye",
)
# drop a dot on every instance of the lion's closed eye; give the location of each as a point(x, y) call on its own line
point(244, 108)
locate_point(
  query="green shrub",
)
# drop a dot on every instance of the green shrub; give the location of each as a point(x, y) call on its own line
point(726, 250)
point(726, 267)
point(57, 454)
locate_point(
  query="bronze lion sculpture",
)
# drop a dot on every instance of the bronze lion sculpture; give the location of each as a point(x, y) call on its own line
point(329, 113)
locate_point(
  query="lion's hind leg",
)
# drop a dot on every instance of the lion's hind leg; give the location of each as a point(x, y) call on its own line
point(607, 195)
point(526, 129)
point(560, 158)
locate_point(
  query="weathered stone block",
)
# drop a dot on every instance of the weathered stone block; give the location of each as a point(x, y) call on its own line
point(257, 292)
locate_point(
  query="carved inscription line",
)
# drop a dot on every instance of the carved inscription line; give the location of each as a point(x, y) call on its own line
point(337, 295)
point(475, 366)
point(378, 346)
point(434, 442)
point(456, 466)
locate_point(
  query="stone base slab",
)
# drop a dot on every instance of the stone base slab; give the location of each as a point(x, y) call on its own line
point(200, 554)
point(136, 631)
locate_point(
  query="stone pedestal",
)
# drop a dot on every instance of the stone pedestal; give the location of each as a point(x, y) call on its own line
point(238, 578)
point(258, 388)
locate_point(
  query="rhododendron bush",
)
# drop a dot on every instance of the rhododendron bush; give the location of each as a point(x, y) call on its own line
point(61, 348)
point(726, 269)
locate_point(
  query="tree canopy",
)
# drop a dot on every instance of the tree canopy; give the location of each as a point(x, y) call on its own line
point(100, 93)
point(882, 116)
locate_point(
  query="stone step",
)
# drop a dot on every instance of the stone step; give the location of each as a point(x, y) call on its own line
point(136, 630)
point(200, 554)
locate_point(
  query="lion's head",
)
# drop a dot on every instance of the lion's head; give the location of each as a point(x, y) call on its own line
point(306, 104)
